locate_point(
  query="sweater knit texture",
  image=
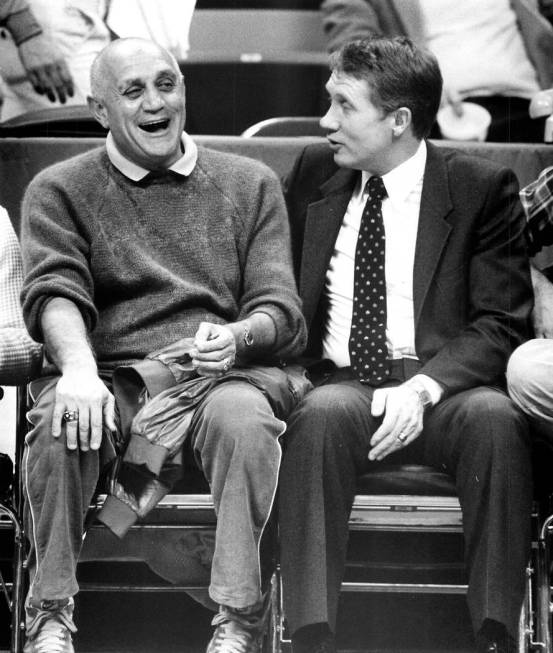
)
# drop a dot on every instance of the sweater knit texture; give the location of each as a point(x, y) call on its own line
point(147, 261)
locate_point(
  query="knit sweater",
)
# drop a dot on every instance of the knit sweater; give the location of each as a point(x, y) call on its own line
point(147, 261)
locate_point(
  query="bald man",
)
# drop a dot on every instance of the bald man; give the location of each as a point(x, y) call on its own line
point(130, 248)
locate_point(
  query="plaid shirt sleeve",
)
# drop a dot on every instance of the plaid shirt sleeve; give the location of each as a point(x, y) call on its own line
point(537, 200)
point(20, 356)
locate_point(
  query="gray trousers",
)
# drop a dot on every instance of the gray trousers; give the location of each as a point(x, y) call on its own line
point(477, 436)
point(530, 382)
point(234, 437)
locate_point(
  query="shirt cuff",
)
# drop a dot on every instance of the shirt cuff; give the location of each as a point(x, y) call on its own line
point(433, 388)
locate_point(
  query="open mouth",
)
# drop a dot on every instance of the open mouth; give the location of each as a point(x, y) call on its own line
point(155, 126)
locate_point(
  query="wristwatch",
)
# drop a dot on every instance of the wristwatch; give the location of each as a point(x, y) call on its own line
point(422, 392)
point(247, 337)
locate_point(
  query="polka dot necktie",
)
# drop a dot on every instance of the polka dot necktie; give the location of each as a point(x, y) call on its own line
point(367, 341)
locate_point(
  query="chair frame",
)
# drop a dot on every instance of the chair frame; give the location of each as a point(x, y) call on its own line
point(285, 126)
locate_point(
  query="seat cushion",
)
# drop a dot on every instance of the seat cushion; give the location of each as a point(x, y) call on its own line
point(407, 479)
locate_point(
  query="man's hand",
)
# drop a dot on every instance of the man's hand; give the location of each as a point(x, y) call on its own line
point(215, 349)
point(542, 315)
point(403, 411)
point(83, 393)
point(46, 68)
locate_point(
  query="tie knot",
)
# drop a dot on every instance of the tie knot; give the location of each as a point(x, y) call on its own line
point(376, 189)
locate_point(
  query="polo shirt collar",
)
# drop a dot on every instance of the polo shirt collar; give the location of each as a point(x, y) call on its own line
point(183, 166)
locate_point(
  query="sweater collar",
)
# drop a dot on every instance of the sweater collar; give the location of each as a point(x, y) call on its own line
point(183, 166)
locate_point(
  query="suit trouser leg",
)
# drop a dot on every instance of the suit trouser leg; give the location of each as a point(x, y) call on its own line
point(477, 436)
point(235, 438)
point(58, 487)
point(326, 448)
point(482, 440)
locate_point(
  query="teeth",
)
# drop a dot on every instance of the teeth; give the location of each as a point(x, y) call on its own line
point(153, 126)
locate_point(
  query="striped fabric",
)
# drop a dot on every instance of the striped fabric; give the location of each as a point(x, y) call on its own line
point(537, 200)
point(20, 357)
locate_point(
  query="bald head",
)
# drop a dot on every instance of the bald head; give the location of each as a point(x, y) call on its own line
point(115, 53)
point(138, 94)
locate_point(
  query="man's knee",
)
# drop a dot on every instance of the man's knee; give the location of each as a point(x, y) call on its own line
point(530, 378)
point(239, 417)
point(329, 414)
point(492, 425)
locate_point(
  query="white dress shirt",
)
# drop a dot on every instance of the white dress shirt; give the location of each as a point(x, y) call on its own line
point(400, 213)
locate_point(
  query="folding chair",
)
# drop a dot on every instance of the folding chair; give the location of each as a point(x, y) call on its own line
point(286, 126)
point(62, 121)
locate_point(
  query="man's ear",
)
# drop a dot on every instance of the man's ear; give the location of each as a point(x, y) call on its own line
point(402, 119)
point(98, 110)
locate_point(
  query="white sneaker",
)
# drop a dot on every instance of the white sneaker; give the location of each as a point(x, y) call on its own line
point(49, 627)
point(239, 631)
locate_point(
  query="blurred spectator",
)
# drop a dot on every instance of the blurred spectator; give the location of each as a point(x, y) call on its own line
point(537, 200)
point(496, 53)
point(20, 357)
point(166, 22)
point(37, 57)
point(77, 29)
point(529, 373)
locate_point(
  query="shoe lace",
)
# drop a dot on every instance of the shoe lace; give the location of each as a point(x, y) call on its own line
point(51, 638)
point(232, 637)
point(50, 629)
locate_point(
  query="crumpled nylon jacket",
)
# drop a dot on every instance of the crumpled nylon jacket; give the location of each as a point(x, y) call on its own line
point(156, 399)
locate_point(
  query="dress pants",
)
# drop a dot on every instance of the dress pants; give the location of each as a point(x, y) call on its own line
point(477, 436)
point(234, 436)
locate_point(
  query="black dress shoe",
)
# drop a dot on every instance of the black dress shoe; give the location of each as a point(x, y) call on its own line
point(315, 638)
point(502, 643)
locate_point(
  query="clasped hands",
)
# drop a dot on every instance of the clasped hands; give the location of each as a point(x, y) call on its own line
point(84, 405)
point(403, 412)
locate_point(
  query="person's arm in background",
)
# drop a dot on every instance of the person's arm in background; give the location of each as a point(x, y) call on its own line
point(542, 315)
point(347, 20)
point(44, 64)
point(20, 356)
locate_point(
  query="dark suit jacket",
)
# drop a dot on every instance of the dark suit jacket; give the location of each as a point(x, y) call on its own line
point(471, 284)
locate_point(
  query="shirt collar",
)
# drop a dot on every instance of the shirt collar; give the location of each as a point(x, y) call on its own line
point(183, 166)
point(400, 181)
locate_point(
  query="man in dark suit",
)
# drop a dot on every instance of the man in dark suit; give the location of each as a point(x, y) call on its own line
point(416, 288)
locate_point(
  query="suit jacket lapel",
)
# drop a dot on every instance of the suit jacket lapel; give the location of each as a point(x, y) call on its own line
point(433, 230)
point(323, 221)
